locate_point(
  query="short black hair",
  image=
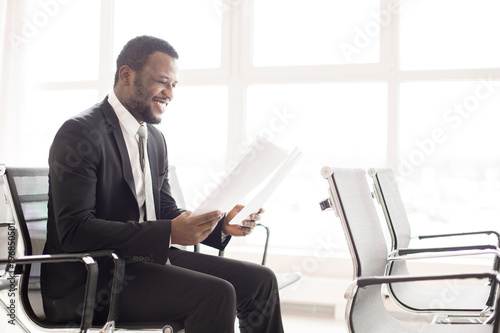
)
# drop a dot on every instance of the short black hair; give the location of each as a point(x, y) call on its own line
point(136, 52)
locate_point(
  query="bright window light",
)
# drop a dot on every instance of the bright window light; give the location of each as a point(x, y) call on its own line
point(449, 34)
point(52, 108)
point(195, 128)
point(448, 172)
point(60, 41)
point(193, 27)
point(332, 126)
point(315, 32)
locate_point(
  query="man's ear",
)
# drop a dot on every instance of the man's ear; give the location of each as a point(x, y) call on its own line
point(126, 75)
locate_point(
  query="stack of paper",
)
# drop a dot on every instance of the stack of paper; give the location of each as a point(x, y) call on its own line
point(264, 165)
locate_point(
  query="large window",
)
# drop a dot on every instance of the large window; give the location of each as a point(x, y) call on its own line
point(316, 32)
point(195, 131)
point(56, 47)
point(332, 126)
point(193, 27)
point(449, 98)
point(448, 164)
point(449, 34)
point(413, 85)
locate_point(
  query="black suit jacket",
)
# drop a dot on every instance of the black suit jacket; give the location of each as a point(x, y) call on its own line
point(92, 204)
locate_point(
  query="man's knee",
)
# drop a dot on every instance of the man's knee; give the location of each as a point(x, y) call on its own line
point(223, 293)
point(266, 277)
point(267, 274)
point(215, 308)
point(226, 288)
point(222, 304)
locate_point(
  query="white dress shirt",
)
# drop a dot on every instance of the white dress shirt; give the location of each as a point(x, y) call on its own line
point(129, 126)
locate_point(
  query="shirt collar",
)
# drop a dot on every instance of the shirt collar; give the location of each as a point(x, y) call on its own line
point(128, 122)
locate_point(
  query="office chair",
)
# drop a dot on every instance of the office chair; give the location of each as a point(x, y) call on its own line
point(350, 198)
point(387, 194)
point(26, 191)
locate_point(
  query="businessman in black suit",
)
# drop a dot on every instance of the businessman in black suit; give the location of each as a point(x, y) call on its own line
point(105, 193)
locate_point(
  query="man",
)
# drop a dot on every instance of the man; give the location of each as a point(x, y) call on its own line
point(107, 192)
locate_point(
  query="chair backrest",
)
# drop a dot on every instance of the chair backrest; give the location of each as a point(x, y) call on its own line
point(389, 197)
point(352, 200)
point(7, 226)
point(175, 187)
point(27, 192)
point(29, 189)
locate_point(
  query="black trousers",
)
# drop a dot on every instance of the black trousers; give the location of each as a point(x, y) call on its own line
point(203, 292)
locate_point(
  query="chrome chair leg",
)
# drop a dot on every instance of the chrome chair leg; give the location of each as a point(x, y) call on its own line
point(109, 327)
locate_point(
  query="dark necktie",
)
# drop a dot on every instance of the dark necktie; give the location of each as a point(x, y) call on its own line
point(150, 205)
point(142, 138)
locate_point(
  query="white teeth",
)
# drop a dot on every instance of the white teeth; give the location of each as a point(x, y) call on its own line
point(161, 105)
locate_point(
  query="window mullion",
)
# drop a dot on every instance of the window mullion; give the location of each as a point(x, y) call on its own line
point(389, 60)
point(238, 50)
point(106, 64)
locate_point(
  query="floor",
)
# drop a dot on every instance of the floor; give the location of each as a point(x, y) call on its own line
point(294, 322)
point(300, 323)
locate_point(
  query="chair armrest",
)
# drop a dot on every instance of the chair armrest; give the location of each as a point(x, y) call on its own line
point(90, 286)
point(266, 244)
point(90, 290)
point(372, 280)
point(442, 252)
point(405, 251)
point(117, 283)
point(487, 232)
point(362, 282)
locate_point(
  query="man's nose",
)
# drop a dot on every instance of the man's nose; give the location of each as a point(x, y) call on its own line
point(168, 92)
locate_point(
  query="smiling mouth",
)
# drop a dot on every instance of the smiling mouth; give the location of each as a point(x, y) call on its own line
point(161, 103)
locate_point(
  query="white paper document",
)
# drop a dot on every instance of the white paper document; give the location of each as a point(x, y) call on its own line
point(264, 164)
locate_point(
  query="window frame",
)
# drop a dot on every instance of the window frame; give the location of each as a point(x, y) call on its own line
point(237, 71)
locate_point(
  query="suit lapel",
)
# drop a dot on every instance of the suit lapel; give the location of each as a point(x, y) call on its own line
point(112, 119)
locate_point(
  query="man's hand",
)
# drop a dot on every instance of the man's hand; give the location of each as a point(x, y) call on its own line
point(240, 230)
point(187, 230)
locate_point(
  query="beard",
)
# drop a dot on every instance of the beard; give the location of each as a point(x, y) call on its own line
point(139, 105)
